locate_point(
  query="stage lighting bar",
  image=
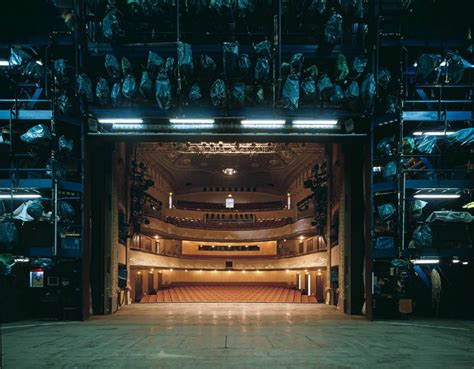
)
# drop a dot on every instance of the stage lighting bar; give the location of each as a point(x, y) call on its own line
point(20, 196)
point(121, 121)
point(315, 123)
point(263, 123)
point(437, 196)
point(433, 133)
point(192, 123)
point(425, 261)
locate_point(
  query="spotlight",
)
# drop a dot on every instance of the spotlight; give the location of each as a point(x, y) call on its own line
point(465, 263)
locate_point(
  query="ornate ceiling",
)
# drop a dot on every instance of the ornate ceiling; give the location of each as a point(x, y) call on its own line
point(267, 166)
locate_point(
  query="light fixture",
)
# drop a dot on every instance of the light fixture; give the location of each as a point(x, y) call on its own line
point(465, 263)
point(425, 261)
point(263, 123)
point(20, 196)
point(229, 171)
point(191, 123)
point(243, 271)
point(433, 133)
point(185, 270)
point(288, 270)
point(171, 270)
point(469, 205)
point(39, 62)
point(456, 261)
point(4, 63)
point(437, 196)
point(301, 238)
point(139, 273)
point(315, 123)
point(120, 120)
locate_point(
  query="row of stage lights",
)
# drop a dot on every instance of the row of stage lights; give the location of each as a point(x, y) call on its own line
point(198, 123)
point(228, 270)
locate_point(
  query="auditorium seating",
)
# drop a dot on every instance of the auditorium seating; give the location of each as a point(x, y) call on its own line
point(255, 206)
point(228, 225)
point(188, 292)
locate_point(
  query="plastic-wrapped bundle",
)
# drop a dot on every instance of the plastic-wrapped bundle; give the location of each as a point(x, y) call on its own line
point(386, 146)
point(462, 137)
point(35, 209)
point(245, 65)
point(368, 91)
point(84, 87)
point(169, 66)
point(64, 103)
point(390, 170)
point(291, 92)
point(333, 29)
point(416, 208)
point(325, 87)
point(102, 91)
point(342, 69)
point(18, 57)
point(384, 77)
point(444, 216)
point(312, 71)
point(296, 63)
point(285, 70)
point(352, 95)
point(221, 6)
point(231, 58)
point(422, 237)
point(386, 211)
point(237, 95)
point(43, 263)
point(308, 88)
point(126, 65)
point(146, 85)
point(65, 144)
point(245, 7)
point(195, 94)
point(337, 95)
point(426, 144)
point(66, 210)
point(391, 104)
point(259, 95)
point(8, 236)
point(154, 64)
point(358, 65)
point(112, 66)
point(116, 95)
point(111, 27)
point(185, 57)
point(33, 71)
point(37, 134)
point(60, 69)
point(262, 69)
point(263, 48)
point(384, 243)
point(218, 93)
point(208, 64)
point(456, 67)
point(163, 92)
point(129, 87)
point(7, 261)
point(428, 67)
point(317, 6)
point(408, 144)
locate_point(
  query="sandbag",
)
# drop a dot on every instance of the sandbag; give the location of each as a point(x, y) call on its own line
point(324, 87)
point(337, 95)
point(218, 93)
point(111, 26)
point(102, 92)
point(195, 94)
point(333, 29)
point(262, 69)
point(341, 69)
point(116, 94)
point(154, 64)
point(237, 95)
point(245, 65)
point(66, 210)
point(126, 65)
point(146, 85)
point(84, 87)
point(36, 134)
point(169, 66)
point(231, 58)
point(358, 65)
point(416, 208)
point(312, 71)
point(259, 95)
point(208, 64)
point(163, 92)
point(367, 91)
point(129, 87)
point(308, 88)
point(352, 95)
point(291, 92)
point(386, 211)
point(35, 209)
point(65, 144)
point(296, 63)
point(8, 236)
point(112, 66)
point(422, 236)
point(428, 67)
point(185, 58)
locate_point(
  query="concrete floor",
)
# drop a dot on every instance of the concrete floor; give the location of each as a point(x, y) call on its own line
point(236, 336)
